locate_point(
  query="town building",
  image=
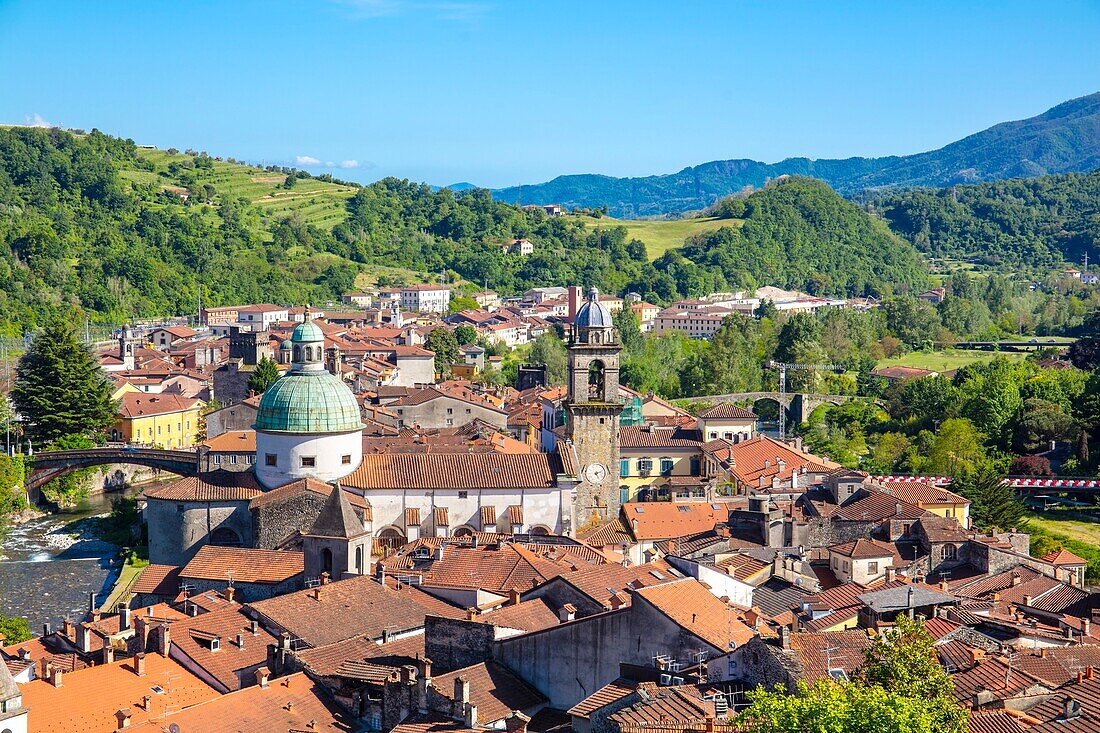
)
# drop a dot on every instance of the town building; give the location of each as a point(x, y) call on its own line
point(166, 420)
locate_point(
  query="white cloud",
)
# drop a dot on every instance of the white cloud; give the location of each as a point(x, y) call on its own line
point(306, 160)
point(349, 163)
point(37, 120)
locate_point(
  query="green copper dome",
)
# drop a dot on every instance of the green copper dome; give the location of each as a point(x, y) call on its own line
point(308, 402)
point(307, 331)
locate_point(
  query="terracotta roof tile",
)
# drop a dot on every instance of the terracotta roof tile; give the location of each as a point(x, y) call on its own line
point(327, 661)
point(293, 703)
point(756, 458)
point(688, 603)
point(159, 580)
point(214, 486)
point(296, 488)
point(488, 516)
point(608, 694)
point(440, 517)
point(89, 698)
point(846, 653)
point(344, 609)
point(233, 441)
point(139, 404)
point(662, 519)
point(493, 689)
point(654, 436)
point(1062, 557)
point(727, 410)
point(862, 549)
point(412, 517)
point(231, 664)
point(453, 470)
point(515, 514)
point(526, 616)
point(919, 493)
point(244, 564)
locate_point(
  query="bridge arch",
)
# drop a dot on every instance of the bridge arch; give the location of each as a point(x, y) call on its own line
point(49, 465)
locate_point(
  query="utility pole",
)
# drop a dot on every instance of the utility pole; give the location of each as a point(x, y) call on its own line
point(783, 385)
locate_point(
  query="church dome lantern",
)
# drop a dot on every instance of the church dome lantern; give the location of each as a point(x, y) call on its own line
point(593, 322)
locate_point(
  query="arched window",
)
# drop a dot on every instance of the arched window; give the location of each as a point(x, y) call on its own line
point(949, 552)
point(539, 531)
point(326, 561)
point(297, 353)
point(391, 538)
point(463, 531)
point(596, 380)
point(226, 537)
point(359, 560)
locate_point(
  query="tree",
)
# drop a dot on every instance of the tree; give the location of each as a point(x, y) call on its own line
point(462, 303)
point(443, 342)
point(60, 388)
point(465, 335)
point(912, 320)
point(1030, 466)
point(956, 447)
point(15, 629)
point(630, 332)
point(212, 405)
point(1038, 423)
point(835, 707)
point(993, 503)
point(550, 350)
point(263, 376)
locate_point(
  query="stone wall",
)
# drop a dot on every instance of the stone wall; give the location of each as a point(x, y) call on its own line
point(454, 643)
point(764, 663)
point(276, 521)
point(177, 529)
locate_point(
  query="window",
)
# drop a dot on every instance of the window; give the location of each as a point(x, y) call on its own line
point(217, 460)
point(695, 466)
point(624, 467)
point(233, 460)
point(169, 429)
point(463, 494)
point(158, 429)
point(215, 644)
point(309, 461)
point(845, 566)
point(271, 460)
point(666, 466)
point(949, 552)
point(467, 410)
point(450, 422)
point(872, 568)
point(645, 465)
point(450, 411)
point(345, 459)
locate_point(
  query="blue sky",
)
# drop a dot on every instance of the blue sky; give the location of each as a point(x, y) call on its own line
point(500, 92)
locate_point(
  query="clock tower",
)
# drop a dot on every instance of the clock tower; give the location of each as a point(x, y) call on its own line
point(593, 408)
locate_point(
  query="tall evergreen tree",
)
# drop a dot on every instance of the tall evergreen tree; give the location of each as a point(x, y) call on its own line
point(60, 389)
point(993, 503)
point(263, 376)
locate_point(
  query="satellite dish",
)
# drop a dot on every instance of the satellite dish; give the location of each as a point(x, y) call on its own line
point(174, 728)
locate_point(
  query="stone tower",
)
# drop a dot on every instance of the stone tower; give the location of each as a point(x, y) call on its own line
point(593, 408)
point(337, 543)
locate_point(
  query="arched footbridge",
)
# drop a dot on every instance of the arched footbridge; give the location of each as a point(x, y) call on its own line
point(49, 465)
point(798, 405)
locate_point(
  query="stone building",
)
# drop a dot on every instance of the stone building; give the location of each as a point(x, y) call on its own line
point(246, 349)
point(283, 513)
point(338, 544)
point(195, 511)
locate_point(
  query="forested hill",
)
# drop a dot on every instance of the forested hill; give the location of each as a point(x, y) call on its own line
point(1036, 223)
point(801, 233)
point(92, 225)
point(1064, 139)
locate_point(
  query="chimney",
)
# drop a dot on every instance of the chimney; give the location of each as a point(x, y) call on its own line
point(462, 693)
point(255, 627)
point(408, 674)
point(890, 573)
point(470, 719)
point(617, 601)
point(1088, 672)
point(55, 676)
point(46, 629)
point(146, 701)
point(1027, 600)
point(568, 612)
point(139, 664)
point(263, 674)
point(1015, 579)
point(516, 722)
point(83, 638)
point(44, 668)
point(672, 546)
point(471, 613)
point(426, 669)
point(108, 653)
point(784, 637)
point(123, 718)
point(1086, 625)
point(66, 629)
point(976, 655)
point(92, 611)
point(240, 641)
point(324, 578)
point(229, 593)
point(513, 597)
point(1071, 708)
point(124, 616)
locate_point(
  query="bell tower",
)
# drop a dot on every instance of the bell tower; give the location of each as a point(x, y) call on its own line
point(593, 408)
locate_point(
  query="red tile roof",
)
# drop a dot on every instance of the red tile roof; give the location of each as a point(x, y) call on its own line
point(139, 404)
point(862, 549)
point(727, 410)
point(231, 665)
point(493, 689)
point(215, 486)
point(689, 604)
point(453, 470)
point(526, 616)
point(243, 565)
point(662, 519)
point(1063, 557)
point(159, 580)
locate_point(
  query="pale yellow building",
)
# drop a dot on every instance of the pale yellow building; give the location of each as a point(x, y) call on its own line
point(164, 420)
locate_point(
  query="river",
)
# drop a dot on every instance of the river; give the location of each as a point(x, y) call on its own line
point(49, 565)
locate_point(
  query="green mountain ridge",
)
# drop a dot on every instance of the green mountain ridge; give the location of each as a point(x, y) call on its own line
point(1065, 138)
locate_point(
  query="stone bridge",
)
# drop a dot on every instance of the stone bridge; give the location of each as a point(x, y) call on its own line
point(798, 405)
point(49, 465)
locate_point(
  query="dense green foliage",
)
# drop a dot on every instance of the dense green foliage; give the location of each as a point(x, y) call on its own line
point(263, 376)
point(1035, 223)
point(14, 629)
point(60, 390)
point(799, 233)
point(1065, 138)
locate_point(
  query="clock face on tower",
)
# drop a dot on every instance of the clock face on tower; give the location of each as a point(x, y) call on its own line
point(595, 473)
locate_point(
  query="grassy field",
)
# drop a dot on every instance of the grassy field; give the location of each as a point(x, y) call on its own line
point(661, 235)
point(947, 359)
point(318, 203)
point(1075, 526)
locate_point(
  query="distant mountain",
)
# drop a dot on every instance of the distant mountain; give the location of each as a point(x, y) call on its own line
point(1063, 139)
point(461, 186)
